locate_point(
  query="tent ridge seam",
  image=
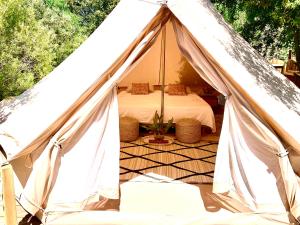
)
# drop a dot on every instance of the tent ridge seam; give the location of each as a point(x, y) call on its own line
point(158, 2)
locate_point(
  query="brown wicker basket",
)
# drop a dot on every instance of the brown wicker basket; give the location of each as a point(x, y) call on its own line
point(188, 130)
point(129, 129)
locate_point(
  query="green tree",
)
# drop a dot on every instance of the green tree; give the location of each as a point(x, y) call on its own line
point(271, 26)
point(34, 38)
point(67, 32)
point(25, 48)
point(92, 12)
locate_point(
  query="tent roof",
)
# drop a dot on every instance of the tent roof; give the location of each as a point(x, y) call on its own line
point(271, 95)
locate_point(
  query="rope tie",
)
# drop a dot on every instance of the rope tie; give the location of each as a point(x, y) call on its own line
point(57, 144)
point(282, 154)
point(286, 152)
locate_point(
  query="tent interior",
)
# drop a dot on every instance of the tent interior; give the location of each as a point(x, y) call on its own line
point(177, 68)
point(62, 184)
point(149, 70)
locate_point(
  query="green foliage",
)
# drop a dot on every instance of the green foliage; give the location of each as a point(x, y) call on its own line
point(92, 12)
point(158, 127)
point(269, 26)
point(24, 47)
point(67, 33)
point(61, 4)
point(37, 35)
point(34, 38)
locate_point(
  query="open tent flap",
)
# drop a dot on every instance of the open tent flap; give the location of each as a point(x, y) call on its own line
point(46, 111)
point(85, 149)
point(54, 179)
point(250, 150)
point(251, 161)
point(248, 147)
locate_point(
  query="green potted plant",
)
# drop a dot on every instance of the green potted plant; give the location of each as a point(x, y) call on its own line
point(158, 127)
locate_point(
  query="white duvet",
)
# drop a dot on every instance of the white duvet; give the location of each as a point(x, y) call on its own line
point(143, 107)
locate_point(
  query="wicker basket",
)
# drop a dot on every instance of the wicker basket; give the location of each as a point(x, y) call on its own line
point(129, 129)
point(188, 130)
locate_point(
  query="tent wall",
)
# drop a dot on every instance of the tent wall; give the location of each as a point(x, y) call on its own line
point(89, 137)
point(177, 69)
point(53, 102)
point(90, 157)
point(248, 139)
point(242, 145)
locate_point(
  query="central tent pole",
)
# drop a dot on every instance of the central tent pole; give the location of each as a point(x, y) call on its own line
point(163, 69)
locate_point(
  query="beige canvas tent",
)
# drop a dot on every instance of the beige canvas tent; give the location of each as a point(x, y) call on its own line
point(59, 139)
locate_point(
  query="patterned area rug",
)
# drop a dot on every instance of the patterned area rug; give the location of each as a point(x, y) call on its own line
point(190, 163)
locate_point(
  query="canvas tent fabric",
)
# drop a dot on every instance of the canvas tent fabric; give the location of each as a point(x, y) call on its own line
point(177, 69)
point(65, 129)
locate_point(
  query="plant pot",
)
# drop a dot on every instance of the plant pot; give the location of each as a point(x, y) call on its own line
point(159, 137)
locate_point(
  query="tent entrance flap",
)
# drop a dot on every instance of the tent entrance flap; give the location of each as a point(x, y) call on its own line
point(281, 193)
point(99, 116)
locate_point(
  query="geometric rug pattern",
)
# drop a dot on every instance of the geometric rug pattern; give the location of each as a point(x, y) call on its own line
point(190, 163)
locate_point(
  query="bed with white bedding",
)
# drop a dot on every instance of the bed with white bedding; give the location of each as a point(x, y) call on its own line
point(143, 107)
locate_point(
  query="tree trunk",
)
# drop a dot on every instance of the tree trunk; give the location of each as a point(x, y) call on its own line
point(297, 46)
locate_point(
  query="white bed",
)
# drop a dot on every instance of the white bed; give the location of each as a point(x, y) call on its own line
point(143, 107)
